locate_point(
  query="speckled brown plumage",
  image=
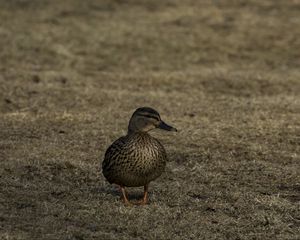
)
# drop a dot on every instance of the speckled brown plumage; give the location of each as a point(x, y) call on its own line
point(136, 159)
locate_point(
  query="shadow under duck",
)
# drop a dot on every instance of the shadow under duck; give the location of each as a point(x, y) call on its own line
point(136, 159)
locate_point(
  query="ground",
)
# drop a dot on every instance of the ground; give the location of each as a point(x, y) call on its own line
point(226, 74)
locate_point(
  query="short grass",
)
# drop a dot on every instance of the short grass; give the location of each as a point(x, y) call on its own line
point(225, 73)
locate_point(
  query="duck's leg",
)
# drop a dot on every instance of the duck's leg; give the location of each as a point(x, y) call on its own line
point(125, 196)
point(144, 200)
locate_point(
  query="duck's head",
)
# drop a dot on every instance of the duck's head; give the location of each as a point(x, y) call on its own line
point(145, 119)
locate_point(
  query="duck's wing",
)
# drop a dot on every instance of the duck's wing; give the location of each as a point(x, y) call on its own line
point(113, 152)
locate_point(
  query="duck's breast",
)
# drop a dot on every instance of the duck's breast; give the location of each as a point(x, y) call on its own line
point(134, 160)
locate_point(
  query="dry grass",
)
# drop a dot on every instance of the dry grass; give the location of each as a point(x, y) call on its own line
point(226, 73)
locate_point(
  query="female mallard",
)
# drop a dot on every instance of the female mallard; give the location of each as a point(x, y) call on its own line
point(136, 159)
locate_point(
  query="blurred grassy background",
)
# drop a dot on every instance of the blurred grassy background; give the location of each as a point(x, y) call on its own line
point(225, 73)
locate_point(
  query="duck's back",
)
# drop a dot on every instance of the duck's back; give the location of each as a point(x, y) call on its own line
point(134, 160)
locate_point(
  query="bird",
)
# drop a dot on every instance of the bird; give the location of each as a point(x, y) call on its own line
point(136, 159)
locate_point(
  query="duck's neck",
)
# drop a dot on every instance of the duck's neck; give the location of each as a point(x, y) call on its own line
point(131, 132)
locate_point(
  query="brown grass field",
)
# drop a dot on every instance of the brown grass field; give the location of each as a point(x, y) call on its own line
point(225, 73)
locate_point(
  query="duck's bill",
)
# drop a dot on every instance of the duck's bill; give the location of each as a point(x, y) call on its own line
point(166, 127)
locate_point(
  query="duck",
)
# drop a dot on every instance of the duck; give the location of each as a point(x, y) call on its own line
point(136, 159)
